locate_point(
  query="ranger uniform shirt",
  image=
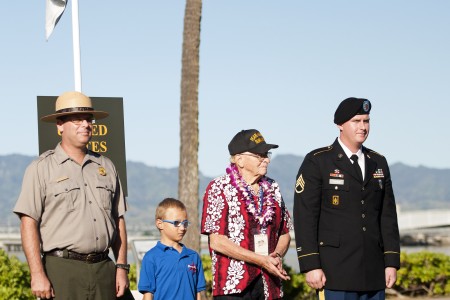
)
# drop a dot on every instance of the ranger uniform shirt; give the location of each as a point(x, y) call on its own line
point(76, 206)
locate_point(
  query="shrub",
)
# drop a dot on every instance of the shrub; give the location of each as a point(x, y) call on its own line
point(424, 273)
point(14, 278)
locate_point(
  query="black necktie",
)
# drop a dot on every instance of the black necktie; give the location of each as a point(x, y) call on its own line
point(354, 157)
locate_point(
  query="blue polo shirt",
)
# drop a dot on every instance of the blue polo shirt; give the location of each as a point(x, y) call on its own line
point(168, 274)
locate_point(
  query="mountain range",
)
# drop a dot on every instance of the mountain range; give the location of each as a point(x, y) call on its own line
point(415, 188)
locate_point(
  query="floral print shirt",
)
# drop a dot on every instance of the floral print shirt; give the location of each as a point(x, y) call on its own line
point(225, 213)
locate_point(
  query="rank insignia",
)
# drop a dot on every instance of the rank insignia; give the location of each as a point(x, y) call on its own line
point(102, 171)
point(300, 183)
point(335, 200)
point(378, 173)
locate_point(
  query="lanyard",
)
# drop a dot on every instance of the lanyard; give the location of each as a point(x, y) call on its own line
point(261, 199)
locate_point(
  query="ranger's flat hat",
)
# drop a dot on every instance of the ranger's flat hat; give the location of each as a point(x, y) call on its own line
point(71, 103)
point(351, 107)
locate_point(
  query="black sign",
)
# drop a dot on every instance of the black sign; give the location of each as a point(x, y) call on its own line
point(108, 135)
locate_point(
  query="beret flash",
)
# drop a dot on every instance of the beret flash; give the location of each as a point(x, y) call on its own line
point(351, 107)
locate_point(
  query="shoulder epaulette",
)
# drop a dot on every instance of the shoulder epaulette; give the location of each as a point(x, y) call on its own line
point(46, 153)
point(374, 152)
point(323, 149)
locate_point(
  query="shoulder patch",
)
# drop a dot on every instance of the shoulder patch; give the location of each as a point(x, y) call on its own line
point(322, 150)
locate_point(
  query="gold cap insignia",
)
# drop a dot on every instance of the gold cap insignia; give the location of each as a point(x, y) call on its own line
point(102, 171)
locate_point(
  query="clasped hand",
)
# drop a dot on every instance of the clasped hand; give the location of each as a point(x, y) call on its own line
point(274, 265)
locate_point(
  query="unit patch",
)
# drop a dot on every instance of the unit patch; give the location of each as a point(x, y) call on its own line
point(335, 200)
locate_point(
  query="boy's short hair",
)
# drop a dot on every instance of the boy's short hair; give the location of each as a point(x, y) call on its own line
point(166, 204)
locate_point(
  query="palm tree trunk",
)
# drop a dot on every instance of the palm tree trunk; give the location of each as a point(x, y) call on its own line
point(188, 178)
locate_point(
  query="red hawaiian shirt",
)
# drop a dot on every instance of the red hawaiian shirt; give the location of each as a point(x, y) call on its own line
point(225, 212)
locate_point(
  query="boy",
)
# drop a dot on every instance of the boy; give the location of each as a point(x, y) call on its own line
point(170, 270)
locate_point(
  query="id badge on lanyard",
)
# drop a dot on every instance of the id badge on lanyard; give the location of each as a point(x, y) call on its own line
point(261, 244)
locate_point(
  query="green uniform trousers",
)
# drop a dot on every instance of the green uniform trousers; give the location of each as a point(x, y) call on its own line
point(76, 280)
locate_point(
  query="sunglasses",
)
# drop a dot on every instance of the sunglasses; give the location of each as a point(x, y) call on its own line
point(185, 223)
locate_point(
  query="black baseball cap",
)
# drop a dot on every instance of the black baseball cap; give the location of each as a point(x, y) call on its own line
point(351, 107)
point(250, 140)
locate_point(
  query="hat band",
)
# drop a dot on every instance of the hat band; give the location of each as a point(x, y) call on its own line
point(72, 109)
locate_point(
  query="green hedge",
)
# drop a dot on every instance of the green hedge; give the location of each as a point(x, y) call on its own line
point(424, 273)
point(14, 278)
point(421, 273)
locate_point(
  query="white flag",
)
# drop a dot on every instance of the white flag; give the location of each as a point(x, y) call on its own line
point(53, 12)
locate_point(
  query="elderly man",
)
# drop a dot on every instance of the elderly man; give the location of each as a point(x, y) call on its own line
point(72, 209)
point(345, 216)
point(247, 223)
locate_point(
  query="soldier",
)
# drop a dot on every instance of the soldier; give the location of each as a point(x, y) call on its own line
point(72, 210)
point(344, 213)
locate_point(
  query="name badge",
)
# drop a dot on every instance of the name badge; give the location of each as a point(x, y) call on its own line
point(62, 178)
point(337, 181)
point(261, 244)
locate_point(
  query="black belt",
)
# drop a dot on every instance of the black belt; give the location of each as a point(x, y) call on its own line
point(90, 258)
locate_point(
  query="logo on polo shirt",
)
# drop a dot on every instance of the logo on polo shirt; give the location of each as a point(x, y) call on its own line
point(192, 267)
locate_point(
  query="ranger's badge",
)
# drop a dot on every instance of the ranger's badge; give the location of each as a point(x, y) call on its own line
point(101, 171)
point(300, 183)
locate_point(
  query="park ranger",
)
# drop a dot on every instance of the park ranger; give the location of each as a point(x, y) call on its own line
point(72, 210)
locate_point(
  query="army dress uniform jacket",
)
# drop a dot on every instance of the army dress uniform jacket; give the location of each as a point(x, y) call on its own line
point(343, 226)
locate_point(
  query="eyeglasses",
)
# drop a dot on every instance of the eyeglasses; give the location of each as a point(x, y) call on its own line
point(260, 157)
point(185, 223)
point(79, 120)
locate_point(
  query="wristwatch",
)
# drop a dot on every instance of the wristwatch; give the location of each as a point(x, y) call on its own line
point(123, 266)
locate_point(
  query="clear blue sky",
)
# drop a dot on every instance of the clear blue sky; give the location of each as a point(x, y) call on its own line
point(279, 66)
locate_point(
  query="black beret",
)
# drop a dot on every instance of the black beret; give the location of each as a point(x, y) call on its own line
point(249, 140)
point(351, 107)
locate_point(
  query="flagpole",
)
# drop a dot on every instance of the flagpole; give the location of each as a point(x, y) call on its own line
point(76, 46)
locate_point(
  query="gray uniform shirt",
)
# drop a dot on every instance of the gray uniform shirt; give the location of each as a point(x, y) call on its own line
point(75, 205)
